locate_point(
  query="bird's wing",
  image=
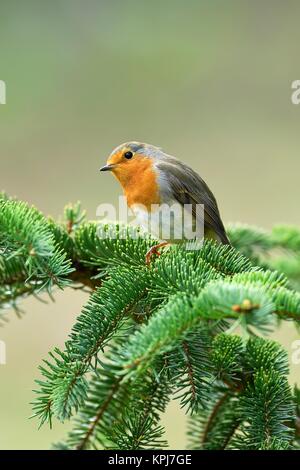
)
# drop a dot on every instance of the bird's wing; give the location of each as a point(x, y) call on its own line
point(188, 187)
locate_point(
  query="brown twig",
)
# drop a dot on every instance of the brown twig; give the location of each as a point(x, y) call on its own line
point(99, 415)
point(189, 369)
point(213, 415)
point(84, 275)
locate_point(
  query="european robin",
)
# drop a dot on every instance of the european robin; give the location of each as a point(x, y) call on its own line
point(152, 180)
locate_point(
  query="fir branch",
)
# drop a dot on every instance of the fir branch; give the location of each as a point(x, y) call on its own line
point(100, 320)
point(106, 397)
point(236, 391)
point(278, 250)
point(254, 398)
point(218, 300)
point(25, 234)
point(265, 406)
point(107, 246)
point(189, 369)
point(138, 426)
point(215, 427)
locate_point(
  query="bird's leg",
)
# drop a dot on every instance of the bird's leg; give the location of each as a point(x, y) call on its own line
point(154, 251)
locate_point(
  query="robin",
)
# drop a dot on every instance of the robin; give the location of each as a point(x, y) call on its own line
point(152, 180)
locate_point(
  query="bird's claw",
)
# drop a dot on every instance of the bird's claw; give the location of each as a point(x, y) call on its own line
point(154, 251)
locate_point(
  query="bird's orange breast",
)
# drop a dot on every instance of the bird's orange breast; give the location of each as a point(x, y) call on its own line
point(139, 182)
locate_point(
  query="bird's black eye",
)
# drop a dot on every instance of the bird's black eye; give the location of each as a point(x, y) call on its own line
point(128, 155)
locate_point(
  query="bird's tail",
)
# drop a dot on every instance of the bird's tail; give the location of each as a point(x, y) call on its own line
point(218, 235)
point(224, 238)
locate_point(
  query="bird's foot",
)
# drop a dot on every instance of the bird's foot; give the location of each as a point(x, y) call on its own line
point(154, 251)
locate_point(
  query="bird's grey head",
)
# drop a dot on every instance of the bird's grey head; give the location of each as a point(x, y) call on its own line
point(141, 148)
point(125, 155)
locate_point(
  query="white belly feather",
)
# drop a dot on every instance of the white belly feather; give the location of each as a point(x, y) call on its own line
point(169, 222)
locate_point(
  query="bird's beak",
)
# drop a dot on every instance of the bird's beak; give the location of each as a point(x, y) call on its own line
point(107, 168)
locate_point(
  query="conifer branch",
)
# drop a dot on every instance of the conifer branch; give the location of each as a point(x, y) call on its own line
point(149, 334)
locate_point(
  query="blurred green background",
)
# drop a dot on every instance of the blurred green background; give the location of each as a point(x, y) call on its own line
point(209, 81)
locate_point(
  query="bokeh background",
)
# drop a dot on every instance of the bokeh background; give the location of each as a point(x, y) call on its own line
point(209, 81)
